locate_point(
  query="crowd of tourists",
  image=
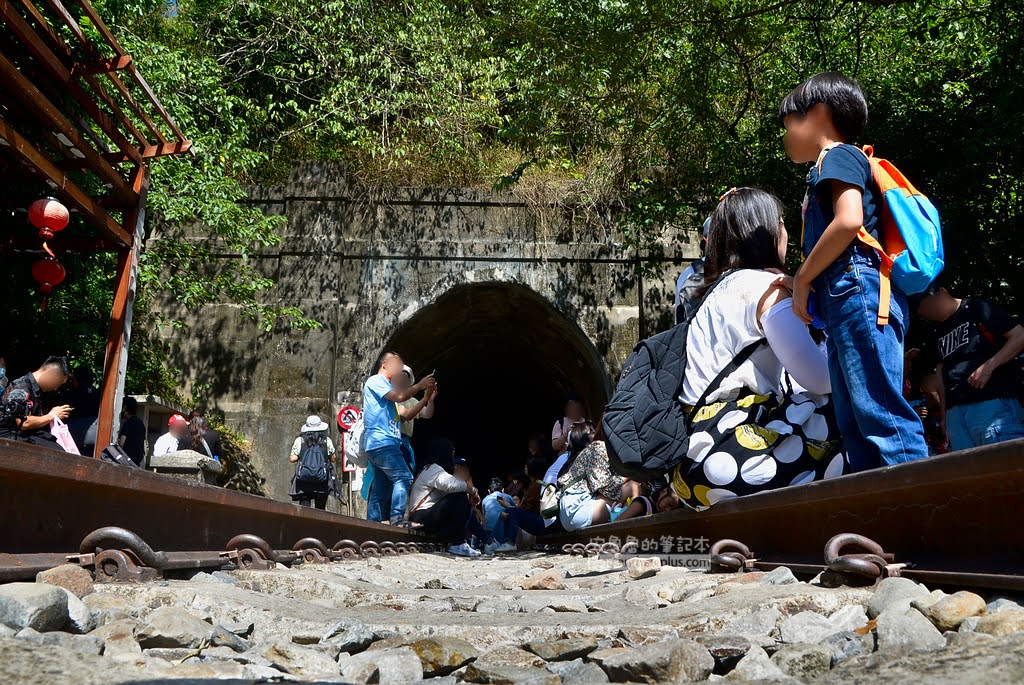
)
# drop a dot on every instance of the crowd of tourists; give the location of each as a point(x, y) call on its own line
point(783, 379)
point(787, 379)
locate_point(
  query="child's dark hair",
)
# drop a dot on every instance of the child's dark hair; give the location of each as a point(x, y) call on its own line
point(746, 228)
point(842, 96)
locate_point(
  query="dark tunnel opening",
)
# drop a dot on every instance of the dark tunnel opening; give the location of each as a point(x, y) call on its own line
point(505, 360)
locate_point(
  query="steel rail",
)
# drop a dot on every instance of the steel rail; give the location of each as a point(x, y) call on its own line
point(51, 501)
point(952, 519)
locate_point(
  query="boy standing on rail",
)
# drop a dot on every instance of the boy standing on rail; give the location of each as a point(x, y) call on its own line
point(838, 283)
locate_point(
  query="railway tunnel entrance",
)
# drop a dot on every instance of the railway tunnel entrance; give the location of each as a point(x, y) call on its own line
point(505, 359)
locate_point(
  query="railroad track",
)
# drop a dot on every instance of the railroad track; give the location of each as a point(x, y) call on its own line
point(131, 524)
point(952, 520)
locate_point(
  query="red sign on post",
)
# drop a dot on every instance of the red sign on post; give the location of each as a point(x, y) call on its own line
point(347, 418)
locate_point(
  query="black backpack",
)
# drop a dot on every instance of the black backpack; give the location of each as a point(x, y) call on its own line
point(645, 426)
point(312, 466)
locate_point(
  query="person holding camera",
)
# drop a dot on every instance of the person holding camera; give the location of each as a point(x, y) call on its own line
point(23, 418)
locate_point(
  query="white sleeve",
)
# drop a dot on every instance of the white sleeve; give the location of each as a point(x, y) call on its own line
point(792, 344)
point(446, 482)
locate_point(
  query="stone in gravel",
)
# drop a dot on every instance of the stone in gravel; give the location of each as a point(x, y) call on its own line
point(892, 591)
point(563, 650)
point(598, 657)
point(83, 644)
point(961, 639)
point(33, 605)
point(7, 632)
point(849, 644)
point(568, 606)
point(637, 636)
point(642, 597)
point(507, 655)
point(384, 667)
point(349, 635)
point(107, 607)
point(726, 650)
point(298, 661)
point(949, 612)
point(1002, 604)
point(642, 567)
point(440, 656)
point(756, 665)
point(173, 654)
point(805, 627)
point(922, 604)
point(669, 661)
point(119, 637)
point(902, 630)
point(810, 627)
point(969, 624)
point(222, 637)
point(80, 617)
point(171, 626)
point(499, 605)
point(759, 623)
point(779, 576)
point(578, 672)
point(1002, 623)
point(803, 661)
point(70, 577)
point(545, 580)
point(509, 675)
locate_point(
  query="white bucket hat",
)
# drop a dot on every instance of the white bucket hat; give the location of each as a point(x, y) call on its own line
point(412, 376)
point(314, 424)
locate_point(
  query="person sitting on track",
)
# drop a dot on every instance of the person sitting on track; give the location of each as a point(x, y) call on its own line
point(23, 418)
point(442, 499)
point(756, 383)
point(591, 492)
point(526, 516)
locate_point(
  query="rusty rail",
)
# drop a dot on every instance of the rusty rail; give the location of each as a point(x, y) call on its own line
point(952, 519)
point(53, 505)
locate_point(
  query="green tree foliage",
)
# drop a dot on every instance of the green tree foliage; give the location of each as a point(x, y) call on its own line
point(649, 107)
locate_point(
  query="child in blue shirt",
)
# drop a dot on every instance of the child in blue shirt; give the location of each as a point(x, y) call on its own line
point(838, 283)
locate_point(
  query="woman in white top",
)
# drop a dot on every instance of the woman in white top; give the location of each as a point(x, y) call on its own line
point(765, 421)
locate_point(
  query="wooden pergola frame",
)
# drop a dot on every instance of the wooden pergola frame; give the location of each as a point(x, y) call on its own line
point(77, 113)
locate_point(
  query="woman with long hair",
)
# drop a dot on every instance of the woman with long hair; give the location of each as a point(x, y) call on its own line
point(756, 383)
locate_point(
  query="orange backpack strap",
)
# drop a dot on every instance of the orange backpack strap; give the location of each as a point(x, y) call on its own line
point(884, 271)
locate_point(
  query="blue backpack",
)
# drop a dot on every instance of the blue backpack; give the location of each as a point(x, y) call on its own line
point(910, 245)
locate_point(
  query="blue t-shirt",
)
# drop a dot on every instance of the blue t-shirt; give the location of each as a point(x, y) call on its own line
point(842, 163)
point(381, 422)
point(492, 508)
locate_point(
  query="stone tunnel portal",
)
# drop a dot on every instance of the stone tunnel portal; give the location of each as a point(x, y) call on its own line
point(505, 359)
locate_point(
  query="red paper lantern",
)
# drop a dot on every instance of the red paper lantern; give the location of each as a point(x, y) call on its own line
point(49, 216)
point(48, 273)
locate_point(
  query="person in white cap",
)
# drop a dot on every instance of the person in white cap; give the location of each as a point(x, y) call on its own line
point(313, 455)
point(168, 442)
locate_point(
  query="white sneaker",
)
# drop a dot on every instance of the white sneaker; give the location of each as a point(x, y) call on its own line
point(463, 550)
point(490, 547)
point(505, 547)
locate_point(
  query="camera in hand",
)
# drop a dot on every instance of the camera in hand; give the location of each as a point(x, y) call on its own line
point(15, 406)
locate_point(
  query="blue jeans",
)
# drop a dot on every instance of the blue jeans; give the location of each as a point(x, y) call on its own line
point(865, 363)
point(373, 506)
point(520, 518)
point(391, 480)
point(984, 423)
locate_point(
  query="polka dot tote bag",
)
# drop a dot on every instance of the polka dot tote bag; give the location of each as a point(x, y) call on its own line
point(755, 443)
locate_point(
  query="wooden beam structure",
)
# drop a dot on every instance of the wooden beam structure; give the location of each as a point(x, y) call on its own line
point(77, 114)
